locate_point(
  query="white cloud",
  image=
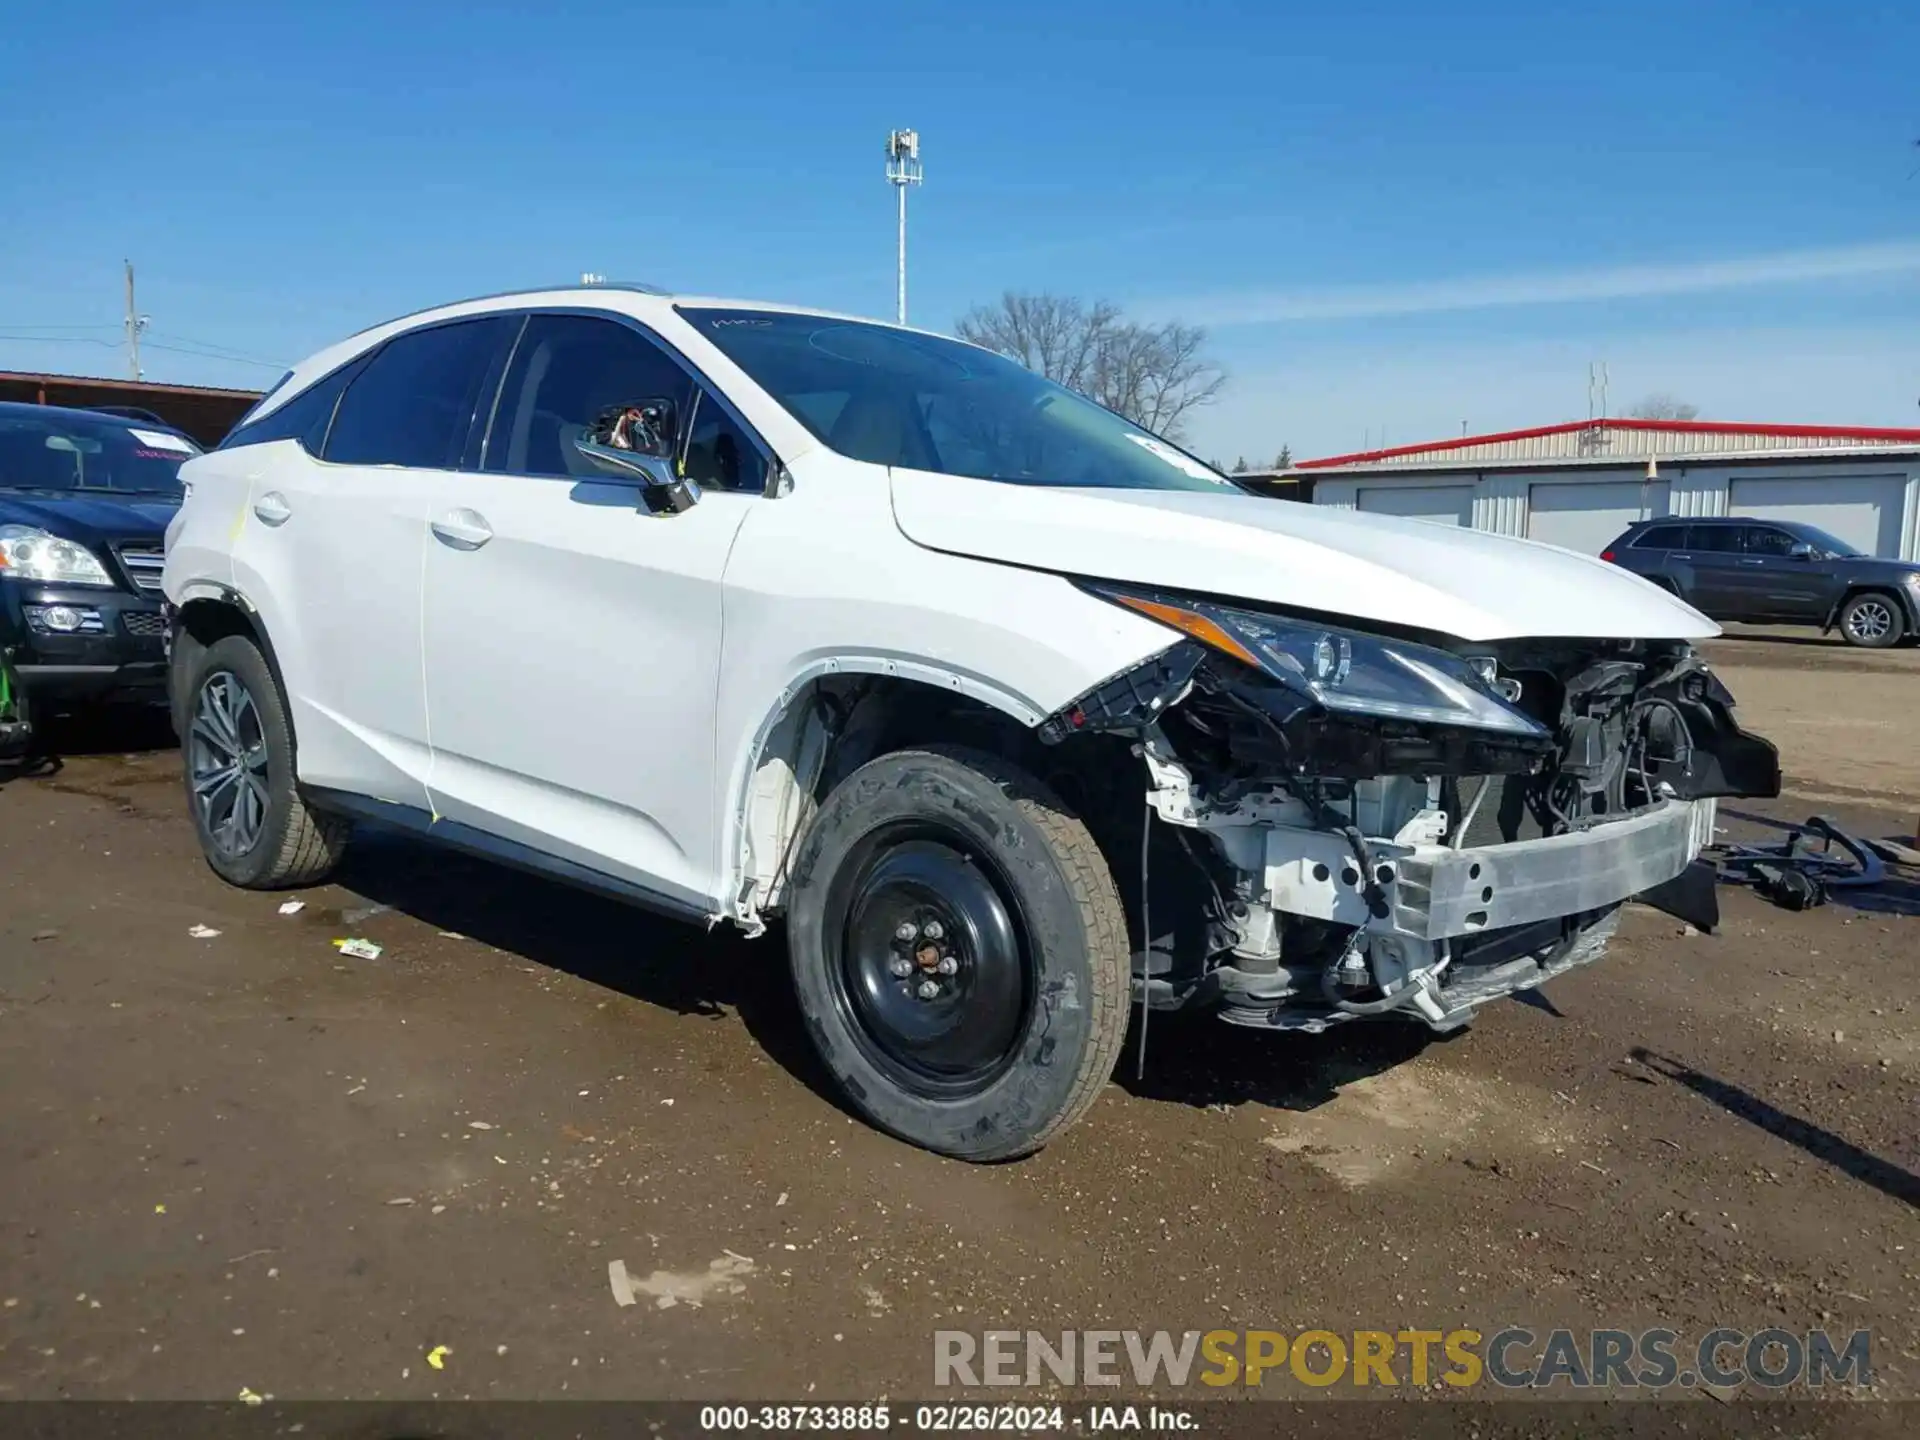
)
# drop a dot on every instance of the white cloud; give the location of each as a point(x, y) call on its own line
point(1788, 267)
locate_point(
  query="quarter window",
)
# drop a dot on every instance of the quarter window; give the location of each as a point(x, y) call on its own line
point(718, 453)
point(566, 370)
point(304, 418)
point(415, 400)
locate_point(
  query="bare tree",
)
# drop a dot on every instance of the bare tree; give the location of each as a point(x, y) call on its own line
point(1662, 406)
point(1152, 374)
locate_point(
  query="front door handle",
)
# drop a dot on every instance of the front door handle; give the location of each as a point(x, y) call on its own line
point(462, 529)
point(272, 508)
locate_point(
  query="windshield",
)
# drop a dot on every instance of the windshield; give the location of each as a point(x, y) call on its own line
point(1821, 540)
point(58, 450)
point(894, 397)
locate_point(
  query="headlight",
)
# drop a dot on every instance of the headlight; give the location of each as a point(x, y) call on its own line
point(30, 554)
point(1346, 671)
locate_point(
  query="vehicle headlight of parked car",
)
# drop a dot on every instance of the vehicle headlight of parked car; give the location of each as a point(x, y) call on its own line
point(27, 553)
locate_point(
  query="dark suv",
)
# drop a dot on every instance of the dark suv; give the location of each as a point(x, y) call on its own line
point(84, 503)
point(1775, 572)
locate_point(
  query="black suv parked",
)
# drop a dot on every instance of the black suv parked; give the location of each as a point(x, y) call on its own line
point(1775, 572)
point(84, 503)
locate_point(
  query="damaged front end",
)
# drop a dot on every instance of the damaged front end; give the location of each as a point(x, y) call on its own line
point(1361, 824)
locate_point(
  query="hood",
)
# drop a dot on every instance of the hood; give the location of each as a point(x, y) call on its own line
point(92, 516)
point(1466, 583)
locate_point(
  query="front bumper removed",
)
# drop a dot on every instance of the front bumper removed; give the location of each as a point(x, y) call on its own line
point(1448, 931)
point(1434, 892)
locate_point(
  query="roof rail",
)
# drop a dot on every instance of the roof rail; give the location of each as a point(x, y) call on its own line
point(600, 282)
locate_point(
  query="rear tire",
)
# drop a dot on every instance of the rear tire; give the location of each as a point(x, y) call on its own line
point(993, 1025)
point(237, 746)
point(1873, 620)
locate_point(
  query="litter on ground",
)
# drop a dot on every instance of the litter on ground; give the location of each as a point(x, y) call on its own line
point(203, 932)
point(359, 949)
point(292, 907)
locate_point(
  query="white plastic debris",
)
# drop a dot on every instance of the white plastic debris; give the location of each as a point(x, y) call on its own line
point(356, 947)
point(622, 1286)
point(203, 932)
point(292, 907)
point(478, 1125)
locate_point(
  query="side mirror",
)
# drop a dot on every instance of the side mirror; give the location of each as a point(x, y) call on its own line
point(638, 442)
point(1800, 551)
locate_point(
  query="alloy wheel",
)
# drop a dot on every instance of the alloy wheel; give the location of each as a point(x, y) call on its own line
point(227, 760)
point(1870, 620)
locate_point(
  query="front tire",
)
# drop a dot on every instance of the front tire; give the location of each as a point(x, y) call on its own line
point(253, 826)
point(959, 953)
point(1872, 620)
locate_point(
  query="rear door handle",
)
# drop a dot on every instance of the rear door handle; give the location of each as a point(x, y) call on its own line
point(272, 508)
point(462, 529)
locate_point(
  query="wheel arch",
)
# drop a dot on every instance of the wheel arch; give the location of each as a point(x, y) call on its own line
point(207, 615)
point(828, 720)
point(1856, 588)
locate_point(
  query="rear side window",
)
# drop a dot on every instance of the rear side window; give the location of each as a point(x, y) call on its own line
point(1714, 539)
point(304, 418)
point(566, 370)
point(1662, 537)
point(414, 401)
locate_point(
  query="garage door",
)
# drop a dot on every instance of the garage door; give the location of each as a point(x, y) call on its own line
point(1447, 504)
point(1585, 517)
point(1862, 510)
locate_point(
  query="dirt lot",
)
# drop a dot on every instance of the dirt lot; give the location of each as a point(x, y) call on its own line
point(246, 1161)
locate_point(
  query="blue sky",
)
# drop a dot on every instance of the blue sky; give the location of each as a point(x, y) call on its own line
point(1395, 218)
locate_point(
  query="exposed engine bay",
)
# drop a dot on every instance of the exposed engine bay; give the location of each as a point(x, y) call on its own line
point(1342, 825)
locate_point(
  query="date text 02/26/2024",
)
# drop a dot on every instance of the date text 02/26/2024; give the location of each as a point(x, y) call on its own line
point(945, 1418)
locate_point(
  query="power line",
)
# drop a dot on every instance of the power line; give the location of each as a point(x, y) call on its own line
point(64, 339)
point(23, 326)
point(215, 355)
point(205, 350)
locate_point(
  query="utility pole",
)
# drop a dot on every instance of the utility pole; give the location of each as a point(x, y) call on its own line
point(135, 322)
point(903, 169)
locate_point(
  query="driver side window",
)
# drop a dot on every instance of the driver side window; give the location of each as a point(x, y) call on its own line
point(566, 370)
point(1765, 540)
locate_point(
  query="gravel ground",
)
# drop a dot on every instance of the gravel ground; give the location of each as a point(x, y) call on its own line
point(245, 1160)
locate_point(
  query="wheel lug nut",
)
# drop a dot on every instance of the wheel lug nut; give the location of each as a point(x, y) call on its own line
point(905, 931)
point(933, 930)
point(900, 966)
point(929, 989)
point(947, 965)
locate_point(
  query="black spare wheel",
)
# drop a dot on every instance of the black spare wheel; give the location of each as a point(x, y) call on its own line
point(254, 827)
point(959, 952)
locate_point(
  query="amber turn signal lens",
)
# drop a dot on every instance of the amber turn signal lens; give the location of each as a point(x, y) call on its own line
point(1191, 622)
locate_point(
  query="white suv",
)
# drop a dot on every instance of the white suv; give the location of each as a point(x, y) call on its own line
point(1018, 715)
